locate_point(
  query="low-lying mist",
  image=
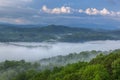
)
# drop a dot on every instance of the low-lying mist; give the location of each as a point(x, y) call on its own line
point(37, 51)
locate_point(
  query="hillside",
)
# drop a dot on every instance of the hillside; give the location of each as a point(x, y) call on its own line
point(69, 59)
point(103, 67)
point(54, 33)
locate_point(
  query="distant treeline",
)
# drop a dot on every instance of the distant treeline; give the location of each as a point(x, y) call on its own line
point(54, 33)
point(103, 67)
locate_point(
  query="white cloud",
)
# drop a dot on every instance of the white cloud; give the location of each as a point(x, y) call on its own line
point(103, 12)
point(45, 9)
point(61, 10)
point(91, 11)
point(88, 11)
point(94, 11)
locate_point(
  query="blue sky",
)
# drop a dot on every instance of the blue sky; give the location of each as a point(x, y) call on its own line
point(61, 12)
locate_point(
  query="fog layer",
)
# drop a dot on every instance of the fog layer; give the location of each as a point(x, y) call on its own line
point(37, 51)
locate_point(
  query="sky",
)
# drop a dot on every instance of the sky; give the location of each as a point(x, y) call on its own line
point(61, 12)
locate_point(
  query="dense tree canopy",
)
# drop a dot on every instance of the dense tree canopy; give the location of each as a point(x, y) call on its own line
point(103, 67)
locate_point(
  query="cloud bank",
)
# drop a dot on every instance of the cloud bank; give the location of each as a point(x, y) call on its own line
point(88, 11)
point(46, 50)
point(103, 12)
point(61, 10)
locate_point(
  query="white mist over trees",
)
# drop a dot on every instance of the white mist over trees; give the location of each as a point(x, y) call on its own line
point(37, 51)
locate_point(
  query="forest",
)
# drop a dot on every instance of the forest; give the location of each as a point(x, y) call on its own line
point(102, 67)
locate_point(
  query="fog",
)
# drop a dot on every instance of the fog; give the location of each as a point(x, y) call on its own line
point(37, 51)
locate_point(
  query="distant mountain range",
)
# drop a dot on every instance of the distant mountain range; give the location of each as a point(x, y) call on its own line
point(54, 33)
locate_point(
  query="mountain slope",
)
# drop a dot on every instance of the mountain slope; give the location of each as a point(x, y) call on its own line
point(103, 67)
point(53, 33)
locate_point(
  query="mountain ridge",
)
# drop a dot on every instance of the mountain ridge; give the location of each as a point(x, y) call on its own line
point(55, 33)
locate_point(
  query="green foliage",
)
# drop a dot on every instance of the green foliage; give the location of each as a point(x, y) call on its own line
point(116, 69)
point(94, 72)
point(26, 75)
point(103, 67)
point(10, 69)
point(107, 60)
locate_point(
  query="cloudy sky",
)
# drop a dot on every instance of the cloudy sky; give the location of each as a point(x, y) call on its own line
point(63, 12)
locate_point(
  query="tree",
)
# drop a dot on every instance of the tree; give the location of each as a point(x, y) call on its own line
point(94, 72)
point(116, 69)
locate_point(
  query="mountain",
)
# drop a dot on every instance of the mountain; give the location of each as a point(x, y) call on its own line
point(54, 33)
